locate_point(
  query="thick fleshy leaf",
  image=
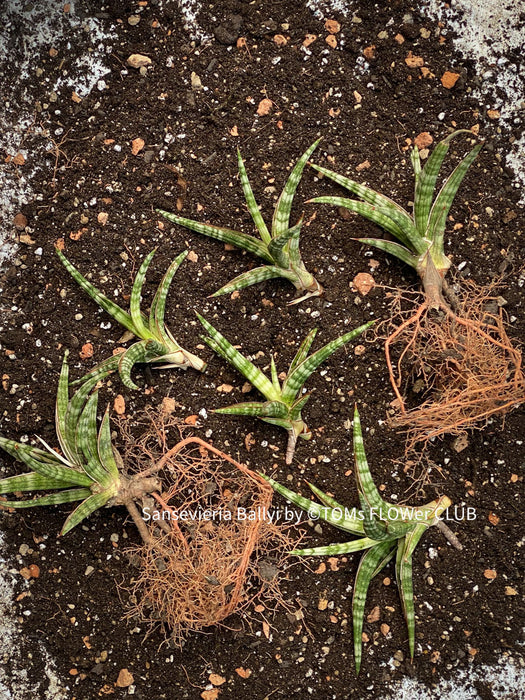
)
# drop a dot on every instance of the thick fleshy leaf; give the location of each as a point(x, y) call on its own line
point(87, 437)
point(416, 163)
point(295, 411)
point(105, 448)
point(241, 363)
point(74, 411)
point(278, 247)
point(371, 563)
point(426, 182)
point(295, 380)
point(398, 251)
point(134, 303)
point(365, 483)
point(158, 307)
point(90, 505)
point(251, 203)
point(53, 499)
point(369, 195)
point(337, 549)
point(30, 482)
point(443, 202)
point(348, 520)
point(55, 471)
point(268, 409)
point(236, 238)
point(303, 351)
point(389, 219)
point(61, 406)
point(246, 279)
point(406, 592)
point(281, 215)
point(102, 370)
point(113, 309)
point(135, 353)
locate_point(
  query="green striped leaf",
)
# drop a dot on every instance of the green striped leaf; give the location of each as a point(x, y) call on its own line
point(241, 363)
point(365, 483)
point(158, 307)
point(426, 182)
point(90, 505)
point(416, 164)
point(369, 195)
point(267, 409)
point(236, 238)
point(51, 471)
point(336, 549)
point(87, 437)
point(297, 407)
point(392, 248)
point(113, 309)
point(53, 499)
point(251, 203)
point(105, 448)
point(303, 351)
point(134, 302)
point(441, 207)
point(274, 375)
point(135, 353)
point(281, 215)
point(30, 482)
point(61, 407)
point(372, 524)
point(295, 380)
point(348, 522)
point(406, 592)
point(74, 411)
point(246, 279)
point(101, 371)
point(371, 563)
point(278, 244)
point(389, 219)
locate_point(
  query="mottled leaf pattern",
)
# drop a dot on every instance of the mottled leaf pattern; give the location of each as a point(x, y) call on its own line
point(149, 330)
point(279, 248)
point(397, 536)
point(282, 408)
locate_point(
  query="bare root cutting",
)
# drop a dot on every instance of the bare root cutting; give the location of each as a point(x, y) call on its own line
point(462, 354)
point(211, 545)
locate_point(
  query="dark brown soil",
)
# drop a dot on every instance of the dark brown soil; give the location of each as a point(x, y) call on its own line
point(463, 617)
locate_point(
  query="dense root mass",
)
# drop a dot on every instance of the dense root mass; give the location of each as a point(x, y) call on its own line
point(462, 361)
point(212, 549)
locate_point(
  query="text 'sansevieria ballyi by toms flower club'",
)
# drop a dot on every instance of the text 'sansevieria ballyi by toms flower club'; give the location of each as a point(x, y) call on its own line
point(89, 468)
point(157, 344)
point(284, 402)
point(279, 248)
point(385, 531)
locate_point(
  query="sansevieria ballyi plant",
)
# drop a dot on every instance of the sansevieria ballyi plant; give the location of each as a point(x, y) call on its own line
point(385, 531)
point(420, 234)
point(157, 344)
point(278, 248)
point(284, 402)
point(86, 471)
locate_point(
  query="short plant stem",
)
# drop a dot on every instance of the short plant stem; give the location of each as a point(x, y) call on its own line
point(290, 448)
point(449, 535)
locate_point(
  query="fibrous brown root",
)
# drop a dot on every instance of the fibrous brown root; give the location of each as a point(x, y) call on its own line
point(465, 360)
point(212, 542)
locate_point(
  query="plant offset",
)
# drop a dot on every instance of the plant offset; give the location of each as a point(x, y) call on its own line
point(283, 404)
point(280, 248)
point(157, 344)
point(389, 530)
point(460, 350)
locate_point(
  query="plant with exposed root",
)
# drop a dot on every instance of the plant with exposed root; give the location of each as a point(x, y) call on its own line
point(285, 402)
point(88, 470)
point(461, 350)
point(278, 248)
point(157, 344)
point(385, 531)
point(191, 575)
